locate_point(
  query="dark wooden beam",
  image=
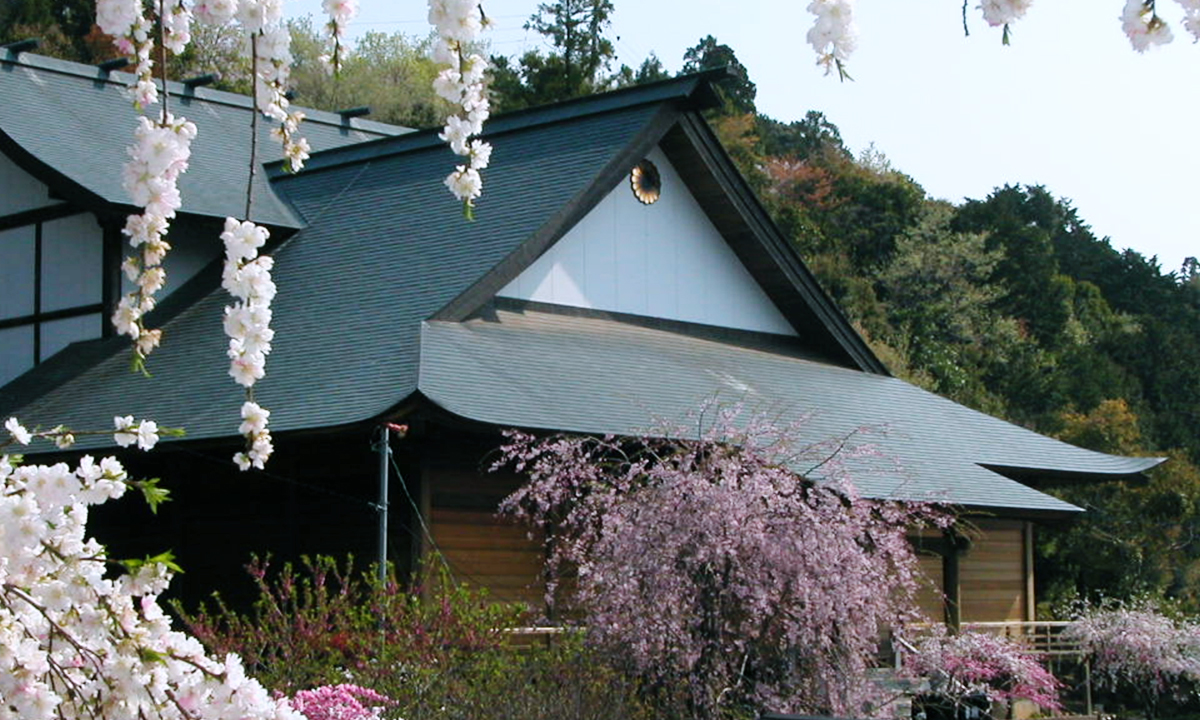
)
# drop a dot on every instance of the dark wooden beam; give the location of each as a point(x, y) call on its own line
point(38, 215)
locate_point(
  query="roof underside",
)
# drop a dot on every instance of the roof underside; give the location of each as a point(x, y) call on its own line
point(69, 125)
point(554, 371)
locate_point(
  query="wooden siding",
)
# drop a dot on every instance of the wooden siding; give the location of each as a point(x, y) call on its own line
point(930, 598)
point(480, 548)
point(993, 580)
point(488, 552)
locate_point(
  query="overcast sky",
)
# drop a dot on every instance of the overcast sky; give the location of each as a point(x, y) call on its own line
point(1068, 105)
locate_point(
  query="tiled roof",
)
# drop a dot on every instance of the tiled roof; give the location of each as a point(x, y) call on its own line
point(581, 373)
point(70, 124)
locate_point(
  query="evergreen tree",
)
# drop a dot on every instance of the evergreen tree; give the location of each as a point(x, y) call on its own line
point(576, 65)
point(736, 90)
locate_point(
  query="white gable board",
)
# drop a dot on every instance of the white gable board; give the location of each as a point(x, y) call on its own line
point(664, 260)
point(21, 191)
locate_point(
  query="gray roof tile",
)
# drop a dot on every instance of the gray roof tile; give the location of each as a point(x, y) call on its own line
point(75, 121)
point(590, 374)
point(386, 247)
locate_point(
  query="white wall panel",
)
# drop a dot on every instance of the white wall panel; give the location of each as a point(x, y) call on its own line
point(21, 191)
point(17, 251)
point(663, 260)
point(16, 352)
point(72, 262)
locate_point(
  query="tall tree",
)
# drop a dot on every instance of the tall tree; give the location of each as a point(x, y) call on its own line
point(576, 65)
point(813, 137)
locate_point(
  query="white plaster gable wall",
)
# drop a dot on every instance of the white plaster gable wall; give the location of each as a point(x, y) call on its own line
point(19, 191)
point(665, 260)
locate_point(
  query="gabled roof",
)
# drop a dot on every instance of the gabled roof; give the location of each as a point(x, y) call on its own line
point(385, 249)
point(68, 124)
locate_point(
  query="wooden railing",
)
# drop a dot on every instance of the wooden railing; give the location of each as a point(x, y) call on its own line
point(1044, 638)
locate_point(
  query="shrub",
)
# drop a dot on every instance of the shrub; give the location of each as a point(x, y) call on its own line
point(436, 649)
point(1136, 651)
point(969, 664)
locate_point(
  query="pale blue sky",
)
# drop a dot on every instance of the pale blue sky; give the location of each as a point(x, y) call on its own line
point(1068, 105)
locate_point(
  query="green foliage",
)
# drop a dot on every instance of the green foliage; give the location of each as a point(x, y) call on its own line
point(153, 494)
point(165, 559)
point(814, 137)
point(651, 70)
point(65, 28)
point(1135, 539)
point(736, 90)
point(390, 73)
point(439, 649)
point(576, 65)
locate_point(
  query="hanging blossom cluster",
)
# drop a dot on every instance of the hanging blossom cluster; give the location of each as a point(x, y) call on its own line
point(712, 566)
point(126, 22)
point(1146, 29)
point(459, 23)
point(834, 35)
point(161, 148)
point(340, 13)
point(268, 45)
point(247, 277)
point(969, 663)
point(77, 641)
point(158, 156)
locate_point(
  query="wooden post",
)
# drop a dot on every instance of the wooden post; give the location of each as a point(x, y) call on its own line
point(1030, 599)
point(950, 581)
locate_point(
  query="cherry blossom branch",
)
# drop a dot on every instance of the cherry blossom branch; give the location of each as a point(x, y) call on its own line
point(834, 34)
point(461, 82)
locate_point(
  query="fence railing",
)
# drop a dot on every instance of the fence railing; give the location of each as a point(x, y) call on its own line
point(1045, 638)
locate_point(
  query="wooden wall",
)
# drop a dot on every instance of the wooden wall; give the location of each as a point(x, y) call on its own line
point(480, 548)
point(486, 551)
point(930, 598)
point(993, 573)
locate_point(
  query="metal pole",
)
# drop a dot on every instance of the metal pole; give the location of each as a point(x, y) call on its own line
point(1087, 684)
point(382, 506)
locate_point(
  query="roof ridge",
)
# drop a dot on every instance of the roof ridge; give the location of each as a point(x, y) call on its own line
point(693, 89)
point(183, 91)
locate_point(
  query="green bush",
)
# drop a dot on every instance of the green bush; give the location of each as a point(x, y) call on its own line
point(438, 648)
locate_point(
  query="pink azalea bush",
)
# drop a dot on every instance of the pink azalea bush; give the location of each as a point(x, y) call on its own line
point(972, 663)
point(711, 565)
point(340, 702)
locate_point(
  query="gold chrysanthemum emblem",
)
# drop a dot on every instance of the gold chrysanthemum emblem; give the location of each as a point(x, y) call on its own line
point(646, 182)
